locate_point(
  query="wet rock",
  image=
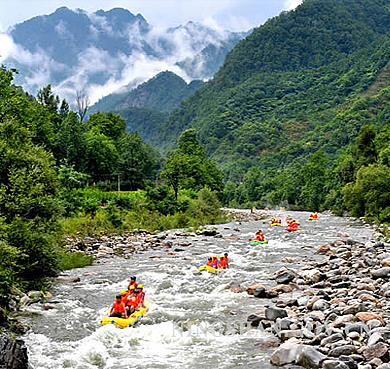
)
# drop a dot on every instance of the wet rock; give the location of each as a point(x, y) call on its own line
point(13, 353)
point(268, 342)
point(251, 289)
point(285, 277)
point(255, 320)
point(287, 260)
point(49, 307)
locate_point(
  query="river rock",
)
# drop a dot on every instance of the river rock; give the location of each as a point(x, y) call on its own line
point(285, 277)
point(377, 350)
point(13, 353)
point(286, 353)
point(312, 275)
point(309, 357)
point(273, 313)
point(49, 307)
point(323, 249)
point(251, 289)
point(334, 364)
point(381, 272)
point(343, 350)
point(320, 305)
point(268, 342)
point(365, 317)
point(66, 279)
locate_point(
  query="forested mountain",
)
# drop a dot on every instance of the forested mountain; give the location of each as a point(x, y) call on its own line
point(294, 86)
point(146, 107)
point(163, 92)
point(73, 50)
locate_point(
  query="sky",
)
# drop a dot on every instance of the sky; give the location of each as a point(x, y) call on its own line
point(234, 15)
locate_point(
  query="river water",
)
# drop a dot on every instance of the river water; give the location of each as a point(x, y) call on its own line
point(194, 320)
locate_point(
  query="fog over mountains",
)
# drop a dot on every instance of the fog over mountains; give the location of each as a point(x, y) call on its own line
point(102, 52)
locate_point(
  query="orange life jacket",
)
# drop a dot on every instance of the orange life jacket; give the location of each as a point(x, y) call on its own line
point(132, 300)
point(119, 307)
point(132, 283)
point(214, 263)
point(209, 262)
point(222, 263)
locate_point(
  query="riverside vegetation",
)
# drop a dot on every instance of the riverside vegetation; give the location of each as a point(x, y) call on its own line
point(297, 116)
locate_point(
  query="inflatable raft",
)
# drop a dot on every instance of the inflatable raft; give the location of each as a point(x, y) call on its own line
point(210, 269)
point(260, 242)
point(275, 224)
point(289, 229)
point(132, 321)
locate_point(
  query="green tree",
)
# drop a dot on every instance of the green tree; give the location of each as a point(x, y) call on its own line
point(109, 124)
point(71, 142)
point(370, 194)
point(28, 205)
point(312, 193)
point(101, 154)
point(137, 161)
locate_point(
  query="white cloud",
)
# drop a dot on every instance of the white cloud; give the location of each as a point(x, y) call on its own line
point(7, 46)
point(291, 4)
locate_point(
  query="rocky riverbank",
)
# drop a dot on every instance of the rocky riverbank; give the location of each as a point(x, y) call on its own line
point(333, 312)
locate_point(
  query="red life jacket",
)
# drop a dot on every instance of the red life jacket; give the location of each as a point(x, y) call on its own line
point(118, 307)
point(214, 263)
point(226, 261)
point(223, 263)
point(209, 262)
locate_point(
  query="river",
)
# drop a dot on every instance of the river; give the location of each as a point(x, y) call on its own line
point(194, 319)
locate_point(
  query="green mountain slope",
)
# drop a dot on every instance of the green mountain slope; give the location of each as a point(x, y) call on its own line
point(278, 95)
point(146, 107)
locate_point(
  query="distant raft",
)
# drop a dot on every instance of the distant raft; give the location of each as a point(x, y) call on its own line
point(258, 241)
point(210, 269)
point(292, 229)
point(132, 321)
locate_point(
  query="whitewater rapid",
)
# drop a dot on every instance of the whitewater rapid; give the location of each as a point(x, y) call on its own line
point(194, 319)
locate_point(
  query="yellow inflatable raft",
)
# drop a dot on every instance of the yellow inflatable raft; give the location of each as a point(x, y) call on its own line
point(210, 269)
point(132, 321)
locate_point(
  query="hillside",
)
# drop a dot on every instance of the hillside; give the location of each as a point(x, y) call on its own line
point(164, 92)
point(146, 107)
point(280, 92)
